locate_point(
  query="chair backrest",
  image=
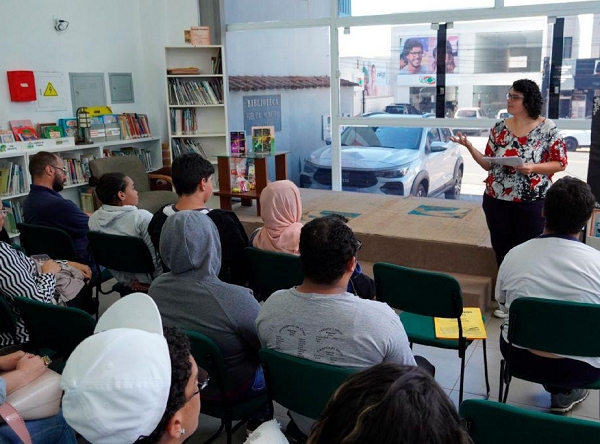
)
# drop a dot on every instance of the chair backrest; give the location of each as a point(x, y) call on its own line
point(39, 239)
point(8, 323)
point(492, 422)
point(122, 253)
point(553, 326)
point(421, 292)
point(209, 356)
point(273, 271)
point(54, 326)
point(131, 166)
point(301, 385)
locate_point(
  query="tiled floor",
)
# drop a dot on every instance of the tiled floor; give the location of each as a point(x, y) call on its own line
point(522, 393)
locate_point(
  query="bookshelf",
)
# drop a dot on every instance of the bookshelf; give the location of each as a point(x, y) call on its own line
point(75, 158)
point(196, 101)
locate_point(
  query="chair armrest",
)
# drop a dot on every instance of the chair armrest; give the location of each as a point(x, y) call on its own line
point(160, 182)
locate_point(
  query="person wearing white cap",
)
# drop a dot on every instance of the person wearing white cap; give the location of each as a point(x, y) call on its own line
point(132, 382)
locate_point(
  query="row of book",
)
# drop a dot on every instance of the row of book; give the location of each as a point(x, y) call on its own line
point(183, 146)
point(86, 199)
point(14, 215)
point(78, 169)
point(143, 154)
point(134, 126)
point(183, 121)
point(202, 92)
point(12, 178)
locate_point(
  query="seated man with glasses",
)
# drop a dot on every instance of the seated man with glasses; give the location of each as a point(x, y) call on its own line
point(45, 206)
point(133, 381)
point(413, 53)
point(320, 321)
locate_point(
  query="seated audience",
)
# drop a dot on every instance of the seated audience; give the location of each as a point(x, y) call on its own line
point(281, 211)
point(192, 297)
point(132, 382)
point(120, 215)
point(192, 178)
point(555, 265)
point(19, 276)
point(45, 206)
point(17, 370)
point(389, 403)
point(320, 321)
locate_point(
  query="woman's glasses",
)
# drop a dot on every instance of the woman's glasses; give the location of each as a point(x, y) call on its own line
point(510, 96)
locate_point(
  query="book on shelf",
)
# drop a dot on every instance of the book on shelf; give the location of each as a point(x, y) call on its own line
point(112, 130)
point(25, 133)
point(192, 92)
point(191, 70)
point(183, 146)
point(263, 139)
point(216, 64)
point(183, 121)
point(51, 132)
point(69, 126)
point(471, 321)
point(5, 171)
point(10, 218)
point(143, 154)
point(7, 136)
point(237, 145)
point(86, 198)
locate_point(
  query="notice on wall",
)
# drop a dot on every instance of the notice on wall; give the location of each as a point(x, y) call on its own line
point(51, 91)
point(262, 111)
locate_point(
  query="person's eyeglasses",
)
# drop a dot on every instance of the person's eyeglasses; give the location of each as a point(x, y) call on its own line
point(416, 53)
point(203, 379)
point(510, 96)
point(64, 170)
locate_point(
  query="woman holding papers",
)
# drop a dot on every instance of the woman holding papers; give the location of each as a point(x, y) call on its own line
point(516, 187)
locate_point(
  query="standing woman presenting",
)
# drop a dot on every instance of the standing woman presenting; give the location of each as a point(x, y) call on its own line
point(514, 197)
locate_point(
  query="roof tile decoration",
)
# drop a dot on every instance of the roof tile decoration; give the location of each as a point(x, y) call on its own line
point(258, 83)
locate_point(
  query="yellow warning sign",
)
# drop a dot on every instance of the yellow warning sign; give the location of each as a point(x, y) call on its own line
point(50, 91)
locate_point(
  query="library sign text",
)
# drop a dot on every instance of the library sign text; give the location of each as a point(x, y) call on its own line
point(262, 111)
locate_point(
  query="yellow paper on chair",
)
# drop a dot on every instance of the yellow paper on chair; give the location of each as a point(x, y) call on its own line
point(472, 325)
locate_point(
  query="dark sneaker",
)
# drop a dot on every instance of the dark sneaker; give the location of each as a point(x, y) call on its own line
point(564, 402)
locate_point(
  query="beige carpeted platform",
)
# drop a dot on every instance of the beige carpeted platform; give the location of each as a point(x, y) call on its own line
point(433, 234)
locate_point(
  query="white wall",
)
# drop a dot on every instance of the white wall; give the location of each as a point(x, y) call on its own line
point(106, 36)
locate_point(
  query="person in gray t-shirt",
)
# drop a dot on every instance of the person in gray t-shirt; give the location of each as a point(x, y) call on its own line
point(319, 320)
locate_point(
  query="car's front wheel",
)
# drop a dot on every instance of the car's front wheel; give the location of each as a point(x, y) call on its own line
point(571, 143)
point(421, 190)
point(454, 192)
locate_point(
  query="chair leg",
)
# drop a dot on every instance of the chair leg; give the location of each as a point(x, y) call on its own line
point(485, 368)
point(506, 378)
point(501, 380)
point(228, 429)
point(462, 379)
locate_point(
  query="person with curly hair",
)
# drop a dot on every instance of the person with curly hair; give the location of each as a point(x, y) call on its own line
point(320, 320)
point(389, 403)
point(514, 195)
point(132, 381)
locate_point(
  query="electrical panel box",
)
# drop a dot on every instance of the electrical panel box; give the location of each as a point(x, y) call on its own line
point(21, 85)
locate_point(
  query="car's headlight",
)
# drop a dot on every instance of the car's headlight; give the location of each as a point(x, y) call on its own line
point(309, 167)
point(391, 174)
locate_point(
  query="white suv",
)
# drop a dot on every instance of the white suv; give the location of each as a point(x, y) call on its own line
point(395, 160)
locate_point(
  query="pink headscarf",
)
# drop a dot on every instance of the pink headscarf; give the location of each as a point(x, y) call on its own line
point(281, 210)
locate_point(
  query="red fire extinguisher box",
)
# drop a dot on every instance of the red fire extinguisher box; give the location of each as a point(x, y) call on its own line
point(21, 85)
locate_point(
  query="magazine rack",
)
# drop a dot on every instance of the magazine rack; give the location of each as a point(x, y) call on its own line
point(225, 192)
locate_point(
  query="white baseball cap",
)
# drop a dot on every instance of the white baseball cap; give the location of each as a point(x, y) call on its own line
point(117, 381)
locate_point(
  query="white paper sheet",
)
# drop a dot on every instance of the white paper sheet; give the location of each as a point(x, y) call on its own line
point(511, 161)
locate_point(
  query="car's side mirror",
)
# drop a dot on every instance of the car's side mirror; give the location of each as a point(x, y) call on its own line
point(437, 147)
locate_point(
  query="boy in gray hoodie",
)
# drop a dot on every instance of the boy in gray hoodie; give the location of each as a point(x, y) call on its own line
point(192, 297)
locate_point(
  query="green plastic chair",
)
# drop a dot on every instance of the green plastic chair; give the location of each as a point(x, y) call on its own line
point(8, 324)
point(121, 253)
point(208, 355)
point(273, 271)
point(301, 385)
point(39, 239)
point(559, 327)
point(55, 327)
point(490, 422)
point(423, 295)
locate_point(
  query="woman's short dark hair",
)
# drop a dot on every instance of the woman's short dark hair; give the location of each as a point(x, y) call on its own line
point(326, 246)
point(532, 97)
point(108, 187)
point(389, 403)
point(181, 370)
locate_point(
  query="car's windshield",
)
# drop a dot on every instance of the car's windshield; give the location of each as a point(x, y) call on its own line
point(385, 136)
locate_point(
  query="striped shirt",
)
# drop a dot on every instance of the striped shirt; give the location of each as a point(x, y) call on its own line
point(19, 277)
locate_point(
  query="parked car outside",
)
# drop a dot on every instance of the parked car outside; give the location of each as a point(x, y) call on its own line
point(401, 108)
point(393, 160)
point(472, 113)
point(503, 114)
point(576, 138)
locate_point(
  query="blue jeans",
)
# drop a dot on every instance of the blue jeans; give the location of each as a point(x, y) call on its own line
point(53, 430)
